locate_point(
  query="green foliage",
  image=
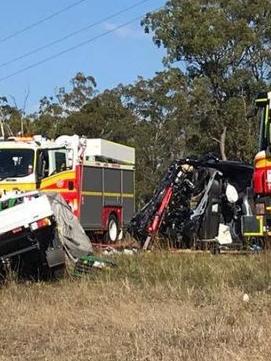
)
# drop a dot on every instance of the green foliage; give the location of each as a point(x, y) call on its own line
point(160, 108)
point(104, 117)
point(217, 59)
point(223, 46)
point(83, 89)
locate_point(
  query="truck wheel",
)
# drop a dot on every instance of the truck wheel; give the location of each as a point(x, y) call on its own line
point(113, 229)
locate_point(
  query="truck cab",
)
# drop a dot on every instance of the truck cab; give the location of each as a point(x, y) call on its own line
point(24, 165)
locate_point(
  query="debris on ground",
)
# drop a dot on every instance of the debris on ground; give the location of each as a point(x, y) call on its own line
point(86, 264)
point(125, 251)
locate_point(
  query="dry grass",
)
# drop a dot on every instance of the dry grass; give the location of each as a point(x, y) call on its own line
point(157, 306)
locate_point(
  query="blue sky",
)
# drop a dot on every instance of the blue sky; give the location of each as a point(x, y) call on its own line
point(116, 58)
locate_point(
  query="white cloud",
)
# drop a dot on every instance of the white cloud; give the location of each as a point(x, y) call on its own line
point(126, 32)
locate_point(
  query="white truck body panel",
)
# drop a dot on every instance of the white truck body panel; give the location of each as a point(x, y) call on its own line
point(22, 215)
point(109, 150)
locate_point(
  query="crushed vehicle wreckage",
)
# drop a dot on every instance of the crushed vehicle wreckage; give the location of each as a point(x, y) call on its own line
point(37, 232)
point(199, 203)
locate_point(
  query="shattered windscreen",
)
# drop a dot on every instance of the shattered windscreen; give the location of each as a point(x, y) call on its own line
point(16, 162)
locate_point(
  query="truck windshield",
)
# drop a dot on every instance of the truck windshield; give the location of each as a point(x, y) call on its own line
point(16, 163)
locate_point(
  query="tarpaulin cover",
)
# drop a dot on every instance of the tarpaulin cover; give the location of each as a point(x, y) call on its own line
point(71, 233)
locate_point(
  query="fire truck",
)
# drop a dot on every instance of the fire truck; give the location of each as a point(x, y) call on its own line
point(95, 177)
point(258, 225)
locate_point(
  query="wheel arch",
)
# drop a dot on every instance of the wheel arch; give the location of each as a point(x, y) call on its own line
point(108, 211)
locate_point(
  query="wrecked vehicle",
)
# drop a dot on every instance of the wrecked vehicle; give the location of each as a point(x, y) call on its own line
point(199, 202)
point(37, 232)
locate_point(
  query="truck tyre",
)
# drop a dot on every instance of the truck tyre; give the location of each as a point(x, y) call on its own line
point(112, 229)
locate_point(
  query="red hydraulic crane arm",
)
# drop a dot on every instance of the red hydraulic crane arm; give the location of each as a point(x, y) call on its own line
point(159, 215)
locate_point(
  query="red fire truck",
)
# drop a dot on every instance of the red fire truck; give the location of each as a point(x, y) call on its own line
point(95, 176)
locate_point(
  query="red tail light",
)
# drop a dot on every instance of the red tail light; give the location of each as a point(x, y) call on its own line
point(44, 222)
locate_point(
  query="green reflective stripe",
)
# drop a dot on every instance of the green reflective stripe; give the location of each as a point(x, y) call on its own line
point(262, 100)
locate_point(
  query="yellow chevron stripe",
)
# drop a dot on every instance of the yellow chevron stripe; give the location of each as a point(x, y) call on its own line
point(51, 180)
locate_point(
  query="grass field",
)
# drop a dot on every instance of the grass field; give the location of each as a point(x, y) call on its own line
point(155, 306)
